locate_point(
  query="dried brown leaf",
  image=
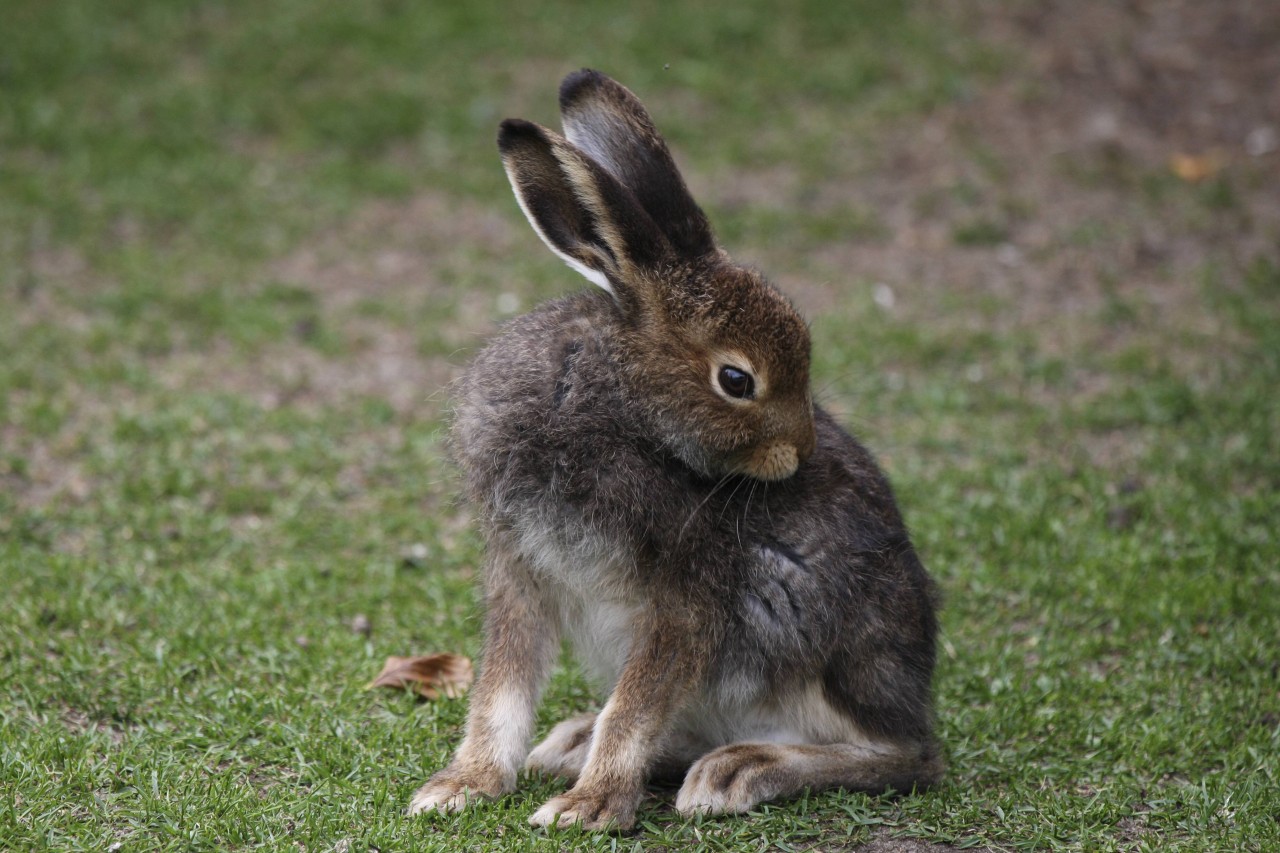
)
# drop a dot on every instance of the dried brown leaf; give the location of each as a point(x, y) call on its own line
point(431, 676)
point(1195, 168)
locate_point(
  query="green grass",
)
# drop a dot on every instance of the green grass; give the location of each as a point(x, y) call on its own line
point(202, 479)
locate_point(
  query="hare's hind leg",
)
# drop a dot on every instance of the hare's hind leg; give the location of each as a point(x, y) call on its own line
point(564, 751)
point(736, 777)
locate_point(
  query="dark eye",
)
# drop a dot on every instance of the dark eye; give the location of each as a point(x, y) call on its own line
point(736, 383)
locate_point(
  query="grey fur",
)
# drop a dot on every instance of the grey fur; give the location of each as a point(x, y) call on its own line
point(735, 573)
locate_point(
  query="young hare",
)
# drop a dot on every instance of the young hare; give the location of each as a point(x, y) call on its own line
point(655, 485)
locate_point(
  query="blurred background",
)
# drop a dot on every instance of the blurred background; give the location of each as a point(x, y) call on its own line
point(245, 246)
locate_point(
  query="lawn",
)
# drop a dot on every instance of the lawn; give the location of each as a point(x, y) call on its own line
point(245, 247)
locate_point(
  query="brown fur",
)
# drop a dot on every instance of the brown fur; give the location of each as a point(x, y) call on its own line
point(732, 570)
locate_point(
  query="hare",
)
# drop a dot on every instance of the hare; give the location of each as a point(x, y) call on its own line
point(655, 484)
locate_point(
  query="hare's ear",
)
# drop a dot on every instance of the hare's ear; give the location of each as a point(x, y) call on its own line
point(580, 211)
point(604, 119)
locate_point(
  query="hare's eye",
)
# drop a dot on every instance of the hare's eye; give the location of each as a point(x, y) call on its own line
point(736, 383)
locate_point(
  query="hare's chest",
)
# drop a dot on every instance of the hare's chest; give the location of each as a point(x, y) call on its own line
point(589, 580)
point(601, 633)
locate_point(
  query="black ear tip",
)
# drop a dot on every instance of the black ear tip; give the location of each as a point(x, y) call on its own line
point(575, 84)
point(514, 132)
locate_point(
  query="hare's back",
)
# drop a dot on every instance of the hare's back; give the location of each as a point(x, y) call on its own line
point(541, 425)
point(524, 376)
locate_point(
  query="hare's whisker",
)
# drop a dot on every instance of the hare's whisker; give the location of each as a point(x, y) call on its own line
point(703, 503)
point(729, 499)
point(746, 507)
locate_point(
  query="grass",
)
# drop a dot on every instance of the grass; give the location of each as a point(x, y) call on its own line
point(205, 474)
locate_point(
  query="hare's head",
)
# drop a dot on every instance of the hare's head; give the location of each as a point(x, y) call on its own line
point(716, 361)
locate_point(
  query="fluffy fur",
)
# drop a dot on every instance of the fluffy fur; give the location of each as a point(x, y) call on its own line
point(733, 572)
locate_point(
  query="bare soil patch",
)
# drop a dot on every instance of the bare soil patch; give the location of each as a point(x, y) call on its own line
point(408, 259)
point(1104, 97)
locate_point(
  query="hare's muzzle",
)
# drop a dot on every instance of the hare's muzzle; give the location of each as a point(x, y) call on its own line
point(775, 461)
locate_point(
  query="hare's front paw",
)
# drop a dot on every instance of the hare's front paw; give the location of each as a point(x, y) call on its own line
point(452, 789)
point(564, 752)
point(732, 778)
point(594, 808)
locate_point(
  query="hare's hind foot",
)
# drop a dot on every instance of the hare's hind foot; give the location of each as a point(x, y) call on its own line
point(737, 777)
point(564, 751)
